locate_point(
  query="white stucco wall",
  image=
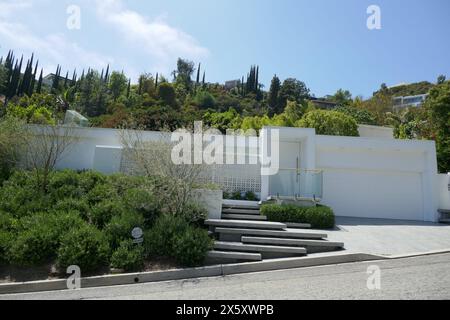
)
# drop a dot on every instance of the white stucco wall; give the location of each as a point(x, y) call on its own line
point(444, 191)
point(363, 177)
point(379, 178)
point(366, 131)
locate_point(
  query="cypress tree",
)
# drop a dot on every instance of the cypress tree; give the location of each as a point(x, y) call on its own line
point(204, 78)
point(107, 74)
point(39, 85)
point(198, 74)
point(74, 77)
point(129, 88)
point(15, 78)
point(55, 84)
point(257, 80)
point(66, 80)
point(33, 80)
point(156, 81)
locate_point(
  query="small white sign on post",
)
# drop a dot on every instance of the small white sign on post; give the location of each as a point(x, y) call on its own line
point(137, 235)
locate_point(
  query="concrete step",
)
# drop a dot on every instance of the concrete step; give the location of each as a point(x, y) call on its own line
point(246, 224)
point(237, 233)
point(243, 217)
point(298, 225)
point(239, 246)
point(292, 242)
point(255, 212)
point(239, 204)
point(227, 255)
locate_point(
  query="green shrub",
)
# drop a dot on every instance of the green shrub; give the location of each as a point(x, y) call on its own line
point(100, 193)
point(88, 180)
point(122, 183)
point(195, 213)
point(70, 204)
point(22, 200)
point(191, 246)
point(7, 221)
point(6, 238)
point(64, 184)
point(38, 236)
point(143, 202)
point(320, 217)
point(236, 195)
point(102, 213)
point(160, 240)
point(86, 247)
point(128, 256)
point(251, 196)
point(120, 227)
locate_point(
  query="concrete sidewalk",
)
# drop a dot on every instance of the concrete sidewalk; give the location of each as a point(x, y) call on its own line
point(390, 237)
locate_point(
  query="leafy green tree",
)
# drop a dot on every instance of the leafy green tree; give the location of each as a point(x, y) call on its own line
point(205, 100)
point(379, 105)
point(92, 96)
point(329, 123)
point(292, 90)
point(117, 85)
point(438, 107)
point(441, 79)
point(272, 99)
point(360, 115)
point(183, 74)
point(223, 121)
point(166, 93)
point(342, 98)
point(293, 112)
point(31, 114)
point(411, 123)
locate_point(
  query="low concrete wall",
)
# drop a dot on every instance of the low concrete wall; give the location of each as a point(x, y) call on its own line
point(444, 191)
point(211, 200)
point(366, 131)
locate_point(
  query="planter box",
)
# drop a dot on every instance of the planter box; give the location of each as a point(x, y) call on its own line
point(212, 200)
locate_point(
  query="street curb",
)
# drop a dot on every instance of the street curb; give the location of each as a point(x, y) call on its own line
point(416, 254)
point(319, 259)
point(180, 274)
point(112, 280)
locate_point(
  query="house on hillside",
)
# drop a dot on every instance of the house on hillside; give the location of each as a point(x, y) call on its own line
point(229, 85)
point(371, 176)
point(400, 103)
point(324, 104)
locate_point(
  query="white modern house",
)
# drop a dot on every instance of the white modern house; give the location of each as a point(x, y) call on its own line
point(416, 101)
point(372, 176)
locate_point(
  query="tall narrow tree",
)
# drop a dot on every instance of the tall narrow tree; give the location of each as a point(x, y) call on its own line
point(39, 85)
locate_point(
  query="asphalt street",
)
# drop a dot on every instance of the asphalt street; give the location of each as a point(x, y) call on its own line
point(424, 277)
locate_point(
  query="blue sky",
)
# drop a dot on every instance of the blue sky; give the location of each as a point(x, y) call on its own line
point(326, 44)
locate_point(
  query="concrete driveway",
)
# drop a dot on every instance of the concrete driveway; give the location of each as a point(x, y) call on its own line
point(390, 237)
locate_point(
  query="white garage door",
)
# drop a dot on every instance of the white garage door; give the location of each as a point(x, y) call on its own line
point(369, 194)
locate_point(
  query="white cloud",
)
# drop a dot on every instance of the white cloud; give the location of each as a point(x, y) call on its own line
point(157, 38)
point(8, 7)
point(52, 49)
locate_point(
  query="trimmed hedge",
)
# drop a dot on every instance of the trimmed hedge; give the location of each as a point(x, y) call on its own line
point(320, 217)
point(86, 247)
point(172, 237)
point(128, 256)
